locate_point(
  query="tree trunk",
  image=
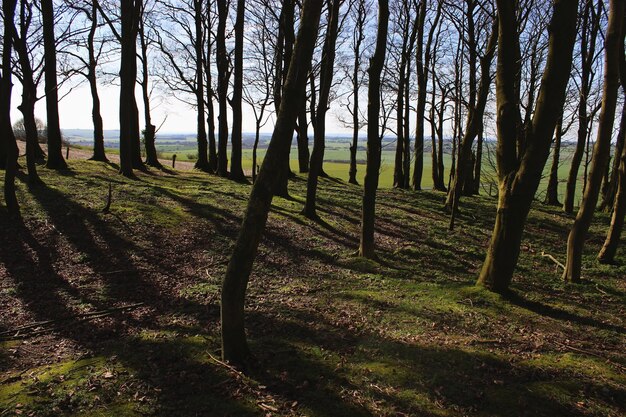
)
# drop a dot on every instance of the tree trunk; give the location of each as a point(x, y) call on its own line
point(367, 246)
point(209, 94)
point(96, 115)
point(6, 129)
point(129, 116)
point(608, 199)
point(578, 234)
point(234, 345)
point(552, 192)
point(202, 163)
point(236, 170)
point(303, 140)
point(222, 89)
point(149, 133)
point(326, 80)
point(519, 175)
point(55, 142)
point(609, 249)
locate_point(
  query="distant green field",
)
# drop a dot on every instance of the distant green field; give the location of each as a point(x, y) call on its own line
point(336, 165)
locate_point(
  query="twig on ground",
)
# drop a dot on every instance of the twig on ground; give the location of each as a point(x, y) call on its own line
point(553, 259)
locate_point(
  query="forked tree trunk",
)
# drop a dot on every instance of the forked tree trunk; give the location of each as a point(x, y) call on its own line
point(319, 139)
point(519, 175)
point(576, 241)
point(236, 170)
point(608, 199)
point(234, 345)
point(55, 142)
point(367, 245)
point(6, 129)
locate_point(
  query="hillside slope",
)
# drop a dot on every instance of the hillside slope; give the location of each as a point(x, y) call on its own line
point(117, 313)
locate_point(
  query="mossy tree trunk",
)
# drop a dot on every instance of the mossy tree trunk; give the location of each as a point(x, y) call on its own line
point(234, 345)
point(367, 245)
point(614, 39)
point(55, 141)
point(519, 173)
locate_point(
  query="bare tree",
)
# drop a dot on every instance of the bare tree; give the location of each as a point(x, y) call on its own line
point(613, 42)
point(234, 345)
point(519, 173)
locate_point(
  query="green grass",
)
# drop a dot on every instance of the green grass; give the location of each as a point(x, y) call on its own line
point(333, 335)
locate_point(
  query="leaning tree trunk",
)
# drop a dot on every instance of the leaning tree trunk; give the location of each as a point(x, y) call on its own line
point(519, 175)
point(608, 199)
point(236, 170)
point(6, 129)
point(55, 142)
point(326, 80)
point(578, 234)
point(367, 246)
point(609, 249)
point(234, 345)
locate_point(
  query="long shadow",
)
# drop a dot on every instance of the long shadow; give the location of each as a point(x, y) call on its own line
point(558, 314)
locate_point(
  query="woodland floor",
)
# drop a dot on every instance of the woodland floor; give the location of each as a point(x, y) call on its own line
point(126, 317)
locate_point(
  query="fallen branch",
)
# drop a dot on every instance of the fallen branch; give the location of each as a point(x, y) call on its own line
point(14, 333)
point(590, 353)
point(553, 259)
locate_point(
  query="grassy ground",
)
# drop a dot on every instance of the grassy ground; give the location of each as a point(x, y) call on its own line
point(133, 298)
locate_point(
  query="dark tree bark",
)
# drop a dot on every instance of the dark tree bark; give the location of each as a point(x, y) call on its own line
point(319, 139)
point(6, 130)
point(576, 241)
point(149, 133)
point(202, 163)
point(608, 198)
point(552, 192)
point(282, 56)
point(476, 111)
point(589, 31)
point(210, 94)
point(234, 345)
point(55, 142)
point(129, 115)
point(359, 37)
point(303, 140)
point(222, 88)
point(423, 62)
point(367, 245)
point(236, 170)
point(29, 93)
point(96, 115)
point(409, 34)
point(519, 174)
